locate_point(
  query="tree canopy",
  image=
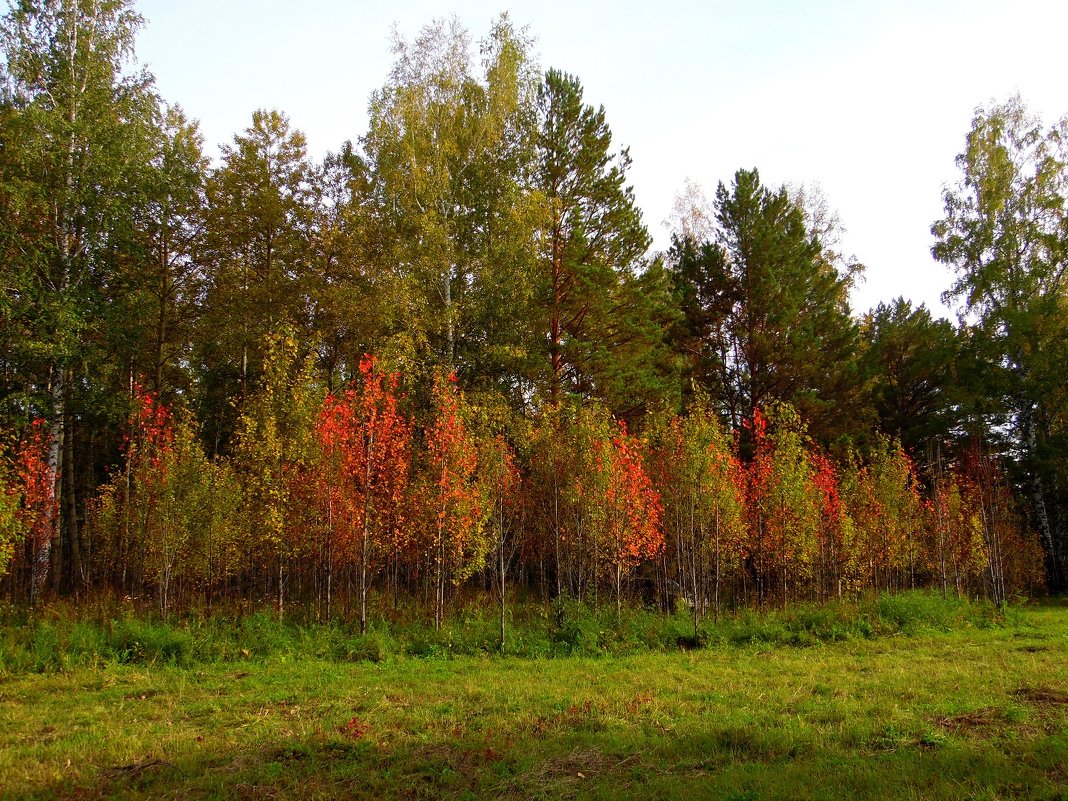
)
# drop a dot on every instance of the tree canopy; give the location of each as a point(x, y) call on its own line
point(450, 342)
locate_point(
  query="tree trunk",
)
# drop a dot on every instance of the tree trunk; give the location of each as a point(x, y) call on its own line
point(281, 589)
point(501, 568)
point(555, 349)
point(76, 579)
point(363, 579)
point(718, 562)
point(47, 552)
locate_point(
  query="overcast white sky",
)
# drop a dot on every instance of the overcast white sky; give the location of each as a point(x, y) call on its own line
point(870, 100)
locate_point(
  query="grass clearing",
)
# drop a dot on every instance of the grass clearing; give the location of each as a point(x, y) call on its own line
point(975, 712)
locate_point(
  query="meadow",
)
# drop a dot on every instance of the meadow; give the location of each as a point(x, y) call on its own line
point(899, 697)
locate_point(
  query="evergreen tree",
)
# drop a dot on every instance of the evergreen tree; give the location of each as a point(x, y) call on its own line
point(767, 315)
point(911, 361)
point(604, 310)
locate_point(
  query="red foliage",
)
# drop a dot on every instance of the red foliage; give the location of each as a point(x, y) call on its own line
point(368, 442)
point(633, 503)
point(355, 729)
point(826, 481)
point(758, 476)
point(458, 508)
point(36, 483)
point(151, 436)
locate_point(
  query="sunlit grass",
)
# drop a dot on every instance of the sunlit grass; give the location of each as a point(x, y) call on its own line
point(976, 712)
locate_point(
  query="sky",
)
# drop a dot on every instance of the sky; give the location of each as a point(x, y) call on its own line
point(871, 101)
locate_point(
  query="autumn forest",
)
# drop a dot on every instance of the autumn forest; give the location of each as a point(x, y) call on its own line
point(444, 365)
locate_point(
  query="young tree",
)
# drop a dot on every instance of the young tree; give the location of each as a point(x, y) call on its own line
point(274, 444)
point(703, 492)
point(10, 525)
point(28, 504)
point(883, 502)
point(631, 509)
point(548, 490)
point(164, 522)
point(950, 539)
point(1006, 550)
point(836, 532)
point(499, 472)
point(458, 541)
point(783, 502)
point(363, 431)
point(584, 434)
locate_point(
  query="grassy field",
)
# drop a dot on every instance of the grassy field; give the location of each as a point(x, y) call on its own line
point(976, 712)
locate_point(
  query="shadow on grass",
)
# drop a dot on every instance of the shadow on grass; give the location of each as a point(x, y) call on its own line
point(577, 753)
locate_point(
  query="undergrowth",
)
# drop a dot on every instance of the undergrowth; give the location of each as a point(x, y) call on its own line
point(65, 636)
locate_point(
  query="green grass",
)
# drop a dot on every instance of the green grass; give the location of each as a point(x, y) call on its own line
point(953, 709)
point(67, 637)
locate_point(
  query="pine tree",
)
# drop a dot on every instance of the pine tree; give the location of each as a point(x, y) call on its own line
point(767, 315)
point(603, 309)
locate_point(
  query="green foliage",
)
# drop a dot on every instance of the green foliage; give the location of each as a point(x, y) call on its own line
point(702, 487)
point(605, 307)
point(767, 316)
point(11, 526)
point(167, 520)
point(484, 229)
point(256, 243)
point(135, 641)
point(882, 499)
point(157, 314)
point(1003, 234)
point(911, 360)
point(448, 149)
point(77, 120)
point(784, 502)
point(575, 626)
point(915, 612)
point(275, 439)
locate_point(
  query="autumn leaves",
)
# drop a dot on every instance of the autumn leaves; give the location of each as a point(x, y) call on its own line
point(388, 492)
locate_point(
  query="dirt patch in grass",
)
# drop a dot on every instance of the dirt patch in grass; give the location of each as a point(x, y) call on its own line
point(980, 722)
point(1045, 697)
point(141, 695)
point(137, 768)
point(562, 776)
point(586, 715)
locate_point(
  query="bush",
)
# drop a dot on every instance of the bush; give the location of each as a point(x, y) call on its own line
point(575, 627)
point(143, 642)
point(920, 610)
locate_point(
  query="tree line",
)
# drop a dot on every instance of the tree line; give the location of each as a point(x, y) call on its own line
point(444, 358)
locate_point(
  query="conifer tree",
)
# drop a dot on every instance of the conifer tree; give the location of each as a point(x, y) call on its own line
point(603, 307)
